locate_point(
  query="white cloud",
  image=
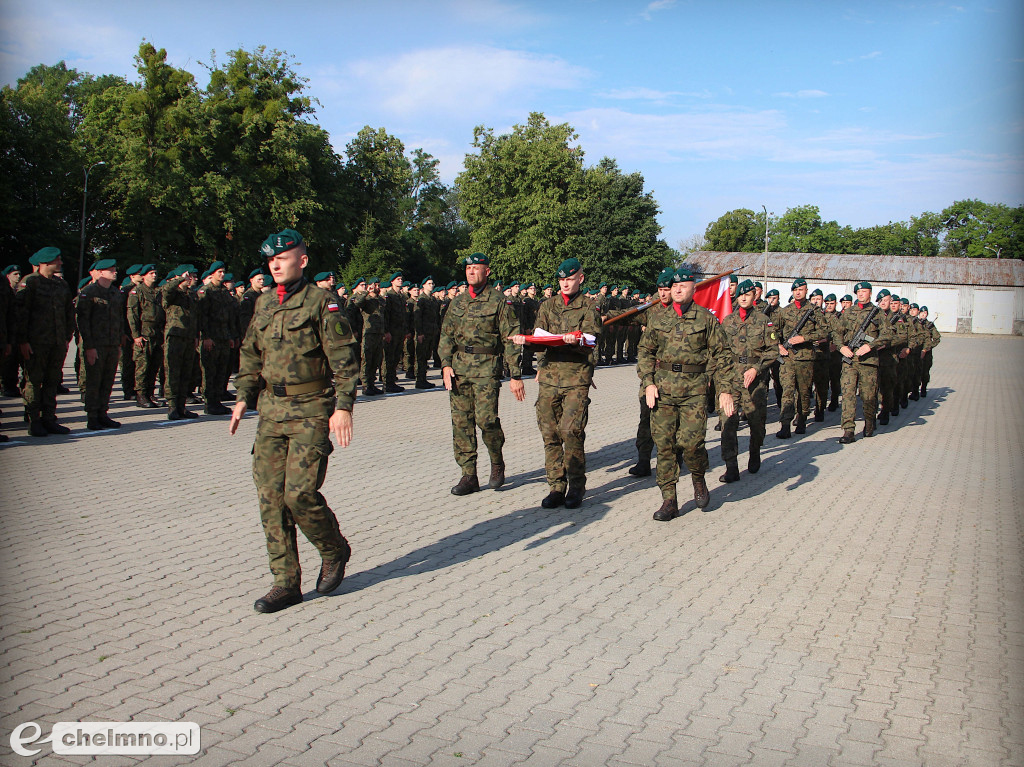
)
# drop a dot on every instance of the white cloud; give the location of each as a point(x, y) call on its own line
point(865, 57)
point(806, 94)
point(657, 5)
point(649, 94)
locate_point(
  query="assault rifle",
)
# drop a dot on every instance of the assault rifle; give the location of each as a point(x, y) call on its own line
point(644, 307)
point(788, 343)
point(861, 335)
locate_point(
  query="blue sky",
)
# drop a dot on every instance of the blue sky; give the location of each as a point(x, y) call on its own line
point(874, 111)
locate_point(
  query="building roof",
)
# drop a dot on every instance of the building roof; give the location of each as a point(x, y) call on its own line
point(998, 272)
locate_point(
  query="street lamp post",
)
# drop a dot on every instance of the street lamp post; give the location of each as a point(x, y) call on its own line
point(85, 194)
point(765, 248)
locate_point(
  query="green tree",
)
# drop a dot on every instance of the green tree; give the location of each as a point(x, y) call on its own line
point(735, 232)
point(975, 229)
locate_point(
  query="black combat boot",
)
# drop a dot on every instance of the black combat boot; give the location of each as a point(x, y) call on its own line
point(668, 511)
point(732, 472)
point(784, 432)
point(215, 408)
point(869, 427)
point(642, 468)
point(553, 500)
point(914, 395)
point(185, 413)
point(903, 401)
point(819, 414)
point(425, 385)
point(847, 438)
point(574, 497)
point(924, 390)
point(36, 429)
point(51, 425)
point(884, 418)
point(92, 423)
point(497, 478)
point(718, 426)
point(372, 391)
point(801, 425)
point(754, 461)
point(143, 401)
point(108, 423)
point(468, 484)
point(394, 389)
point(332, 571)
point(701, 496)
point(278, 598)
point(833, 405)
point(173, 414)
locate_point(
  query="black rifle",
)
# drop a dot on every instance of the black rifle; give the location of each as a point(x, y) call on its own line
point(861, 335)
point(788, 343)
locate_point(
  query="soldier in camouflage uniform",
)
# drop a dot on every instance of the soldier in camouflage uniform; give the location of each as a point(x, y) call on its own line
point(146, 327)
point(299, 359)
point(919, 338)
point(933, 339)
point(822, 358)
point(835, 359)
point(644, 440)
point(217, 313)
point(887, 361)
point(754, 345)
point(772, 375)
point(563, 383)
point(797, 370)
point(100, 315)
point(247, 304)
point(373, 310)
point(133, 276)
point(45, 321)
point(426, 321)
point(395, 333)
point(476, 337)
point(899, 324)
point(861, 375)
point(528, 322)
point(179, 339)
point(680, 349)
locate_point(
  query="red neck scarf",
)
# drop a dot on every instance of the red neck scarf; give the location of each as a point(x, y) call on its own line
point(798, 304)
point(860, 305)
point(473, 293)
point(566, 299)
point(678, 308)
point(282, 292)
point(743, 313)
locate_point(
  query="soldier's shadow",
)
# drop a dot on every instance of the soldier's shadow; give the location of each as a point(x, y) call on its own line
point(917, 413)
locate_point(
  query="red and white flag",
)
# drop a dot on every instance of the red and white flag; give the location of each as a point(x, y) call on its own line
point(715, 298)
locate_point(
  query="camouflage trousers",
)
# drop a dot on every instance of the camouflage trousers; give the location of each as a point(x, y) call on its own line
point(474, 404)
point(678, 425)
point(127, 368)
point(914, 384)
point(835, 376)
point(820, 383)
point(900, 385)
point(179, 356)
point(392, 356)
point(423, 351)
point(926, 369)
point(216, 366)
point(771, 377)
point(797, 377)
point(606, 343)
point(98, 380)
point(562, 414)
point(632, 341)
point(863, 380)
point(373, 353)
point(148, 359)
point(620, 340)
point(289, 463)
point(887, 389)
point(753, 401)
point(409, 356)
point(644, 440)
point(43, 373)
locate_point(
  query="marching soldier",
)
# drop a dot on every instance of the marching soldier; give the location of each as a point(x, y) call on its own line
point(644, 440)
point(822, 357)
point(887, 361)
point(835, 359)
point(100, 315)
point(681, 347)
point(754, 344)
point(797, 369)
point(476, 336)
point(934, 338)
point(299, 360)
point(861, 376)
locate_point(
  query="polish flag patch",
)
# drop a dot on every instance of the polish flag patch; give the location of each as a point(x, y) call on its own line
point(332, 307)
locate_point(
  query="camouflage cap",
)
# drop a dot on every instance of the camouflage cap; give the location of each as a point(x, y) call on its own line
point(798, 282)
point(862, 286)
point(477, 258)
point(746, 286)
point(133, 269)
point(44, 256)
point(321, 276)
point(568, 268)
point(283, 241)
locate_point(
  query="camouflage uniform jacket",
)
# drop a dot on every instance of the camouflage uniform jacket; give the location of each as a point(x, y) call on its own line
point(302, 341)
point(100, 315)
point(814, 329)
point(374, 312)
point(934, 336)
point(45, 313)
point(217, 313)
point(394, 317)
point(898, 323)
point(484, 322)
point(754, 342)
point(6, 314)
point(528, 318)
point(426, 316)
point(179, 310)
point(917, 333)
point(694, 341)
point(879, 332)
point(145, 312)
point(246, 308)
point(569, 365)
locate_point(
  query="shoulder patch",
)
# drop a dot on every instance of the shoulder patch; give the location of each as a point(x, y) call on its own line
point(332, 307)
point(132, 292)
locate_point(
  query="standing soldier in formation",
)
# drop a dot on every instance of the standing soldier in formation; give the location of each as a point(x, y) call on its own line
point(427, 326)
point(6, 326)
point(797, 353)
point(100, 315)
point(644, 440)
point(179, 339)
point(528, 323)
point(146, 327)
point(247, 304)
point(133, 277)
point(861, 375)
point(754, 345)
point(299, 360)
point(934, 337)
point(680, 349)
point(371, 306)
point(476, 336)
point(395, 333)
point(919, 339)
point(9, 364)
point(217, 319)
point(563, 382)
point(45, 322)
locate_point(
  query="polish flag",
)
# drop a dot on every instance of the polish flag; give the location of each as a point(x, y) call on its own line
point(715, 298)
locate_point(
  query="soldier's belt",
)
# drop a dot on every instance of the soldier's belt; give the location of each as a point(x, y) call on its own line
point(292, 390)
point(477, 349)
point(678, 367)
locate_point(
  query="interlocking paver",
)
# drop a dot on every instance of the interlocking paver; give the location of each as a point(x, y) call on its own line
point(789, 625)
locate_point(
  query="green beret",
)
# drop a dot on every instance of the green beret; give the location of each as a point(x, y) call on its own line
point(882, 294)
point(862, 286)
point(772, 292)
point(451, 285)
point(514, 284)
point(817, 292)
point(830, 297)
point(529, 285)
point(321, 276)
point(847, 297)
point(602, 285)
point(190, 269)
point(146, 269)
point(373, 281)
point(477, 258)
point(461, 283)
point(683, 274)
point(758, 285)
point(11, 268)
point(206, 274)
point(44, 256)
point(133, 269)
point(498, 285)
point(217, 265)
point(665, 278)
point(914, 306)
point(744, 287)
point(797, 283)
point(83, 282)
point(905, 301)
point(162, 282)
point(357, 281)
point(258, 270)
point(546, 286)
point(425, 280)
point(278, 243)
point(394, 276)
point(568, 268)
point(406, 284)
point(126, 282)
point(895, 298)
point(733, 279)
point(924, 308)
point(105, 263)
